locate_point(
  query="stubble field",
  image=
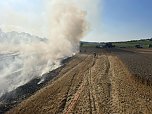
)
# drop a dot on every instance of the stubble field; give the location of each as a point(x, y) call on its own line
point(116, 81)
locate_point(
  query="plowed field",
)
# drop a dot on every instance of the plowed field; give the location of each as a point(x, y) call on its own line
point(92, 85)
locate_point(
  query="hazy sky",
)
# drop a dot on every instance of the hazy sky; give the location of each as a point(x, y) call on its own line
point(110, 20)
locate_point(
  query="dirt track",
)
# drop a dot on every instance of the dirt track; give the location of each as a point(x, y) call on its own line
point(88, 85)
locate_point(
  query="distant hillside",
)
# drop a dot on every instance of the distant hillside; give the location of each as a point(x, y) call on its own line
point(145, 43)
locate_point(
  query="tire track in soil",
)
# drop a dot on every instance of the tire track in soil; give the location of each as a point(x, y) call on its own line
point(75, 99)
point(76, 96)
point(62, 105)
point(92, 105)
point(95, 76)
point(92, 100)
point(92, 94)
point(77, 93)
point(87, 76)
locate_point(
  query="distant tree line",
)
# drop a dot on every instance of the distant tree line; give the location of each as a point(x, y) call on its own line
point(150, 39)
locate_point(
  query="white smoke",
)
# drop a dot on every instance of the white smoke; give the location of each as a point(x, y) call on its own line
point(67, 25)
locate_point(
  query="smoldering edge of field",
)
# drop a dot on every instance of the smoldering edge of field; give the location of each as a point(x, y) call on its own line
point(11, 99)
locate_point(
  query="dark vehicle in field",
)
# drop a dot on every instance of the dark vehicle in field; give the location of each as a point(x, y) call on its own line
point(99, 46)
point(109, 45)
point(106, 45)
point(138, 46)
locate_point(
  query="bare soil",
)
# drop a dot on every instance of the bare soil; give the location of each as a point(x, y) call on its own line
point(138, 62)
point(91, 85)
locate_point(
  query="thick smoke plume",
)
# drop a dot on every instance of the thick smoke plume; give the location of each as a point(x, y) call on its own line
point(67, 25)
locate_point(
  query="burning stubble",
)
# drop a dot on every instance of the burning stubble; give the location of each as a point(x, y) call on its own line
point(67, 25)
